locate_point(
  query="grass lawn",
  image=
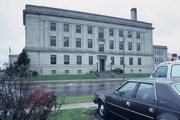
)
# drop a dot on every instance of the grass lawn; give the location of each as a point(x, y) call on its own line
point(79, 99)
point(142, 75)
point(74, 114)
point(63, 77)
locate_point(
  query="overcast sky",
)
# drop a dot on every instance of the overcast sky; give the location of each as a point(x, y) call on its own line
point(163, 14)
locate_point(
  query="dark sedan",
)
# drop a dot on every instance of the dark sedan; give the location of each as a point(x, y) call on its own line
point(147, 99)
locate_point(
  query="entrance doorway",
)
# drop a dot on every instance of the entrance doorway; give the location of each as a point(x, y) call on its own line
point(102, 64)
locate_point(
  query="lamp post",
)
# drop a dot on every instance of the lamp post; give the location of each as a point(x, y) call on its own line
point(110, 65)
point(97, 65)
point(124, 38)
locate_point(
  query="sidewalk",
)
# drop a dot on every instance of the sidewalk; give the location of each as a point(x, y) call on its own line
point(78, 105)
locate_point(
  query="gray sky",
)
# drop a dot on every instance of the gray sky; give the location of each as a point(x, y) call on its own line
point(163, 14)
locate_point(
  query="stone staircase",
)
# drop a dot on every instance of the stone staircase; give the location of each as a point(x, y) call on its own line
point(105, 74)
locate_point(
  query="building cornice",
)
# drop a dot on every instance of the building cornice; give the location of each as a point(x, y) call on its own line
point(47, 11)
point(160, 46)
point(50, 50)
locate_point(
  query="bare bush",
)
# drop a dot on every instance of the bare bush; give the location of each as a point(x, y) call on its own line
point(22, 99)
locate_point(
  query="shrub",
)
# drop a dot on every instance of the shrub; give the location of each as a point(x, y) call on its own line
point(117, 70)
point(34, 73)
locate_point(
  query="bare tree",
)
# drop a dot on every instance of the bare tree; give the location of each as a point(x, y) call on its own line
point(22, 99)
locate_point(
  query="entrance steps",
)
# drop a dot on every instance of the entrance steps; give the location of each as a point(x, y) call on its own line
point(105, 74)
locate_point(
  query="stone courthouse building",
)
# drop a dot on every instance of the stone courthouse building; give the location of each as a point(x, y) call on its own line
point(62, 41)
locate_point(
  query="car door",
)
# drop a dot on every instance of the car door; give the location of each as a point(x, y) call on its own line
point(144, 105)
point(120, 101)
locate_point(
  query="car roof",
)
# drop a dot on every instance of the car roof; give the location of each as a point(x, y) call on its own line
point(170, 62)
point(157, 80)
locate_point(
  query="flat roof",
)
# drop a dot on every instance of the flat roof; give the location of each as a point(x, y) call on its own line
point(49, 11)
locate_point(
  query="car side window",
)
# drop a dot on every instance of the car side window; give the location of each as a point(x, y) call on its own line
point(127, 89)
point(161, 71)
point(146, 92)
point(175, 73)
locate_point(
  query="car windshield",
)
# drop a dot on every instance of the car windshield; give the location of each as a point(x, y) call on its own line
point(177, 88)
point(175, 73)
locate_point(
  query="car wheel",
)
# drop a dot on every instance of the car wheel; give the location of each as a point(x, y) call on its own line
point(102, 110)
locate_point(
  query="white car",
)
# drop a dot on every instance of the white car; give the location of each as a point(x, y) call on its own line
point(170, 69)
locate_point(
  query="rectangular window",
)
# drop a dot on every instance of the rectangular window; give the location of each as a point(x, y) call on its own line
point(78, 42)
point(79, 60)
point(66, 71)
point(130, 60)
point(130, 46)
point(138, 47)
point(79, 71)
point(90, 43)
point(112, 60)
point(66, 41)
point(111, 45)
point(129, 34)
point(139, 61)
point(121, 45)
point(90, 31)
point(53, 27)
point(138, 35)
point(111, 32)
point(90, 60)
point(121, 61)
point(121, 34)
point(101, 33)
point(53, 59)
point(78, 29)
point(53, 72)
point(52, 40)
point(66, 27)
point(66, 59)
point(101, 48)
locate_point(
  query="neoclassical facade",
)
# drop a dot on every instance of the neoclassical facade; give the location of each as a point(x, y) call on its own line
point(62, 41)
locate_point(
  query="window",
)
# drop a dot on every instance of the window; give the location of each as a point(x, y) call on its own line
point(53, 27)
point(112, 60)
point(53, 72)
point(90, 60)
point(111, 32)
point(139, 61)
point(129, 34)
point(175, 71)
point(66, 59)
point(127, 89)
point(177, 88)
point(66, 27)
point(90, 43)
point(121, 45)
point(121, 34)
point(90, 31)
point(66, 71)
point(111, 45)
point(78, 42)
point(66, 41)
point(138, 35)
point(78, 29)
point(101, 48)
point(79, 60)
point(121, 61)
point(130, 46)
point(79, 71)
point(138, 47)
point(53, 59)
point(161, 72)
point(52, 40)
point(146, 92)
point(101, 33)
point(131, 61)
